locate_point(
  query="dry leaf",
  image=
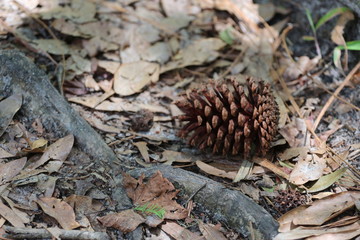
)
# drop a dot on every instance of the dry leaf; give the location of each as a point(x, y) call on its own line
point(178, 232)
point(209, 232)
point(156, 191)
point(8, 108)
point(11, 169)
point(199, 52)
point(142, 146)
point(57, 151)
point(10, 216)
point(168, 157)
point(60, 210)
point(338, 31)
point(53, 46)
point(215, 171)
point(132, 77)
point(308, 169)
point(125, 221)
point(91, 101)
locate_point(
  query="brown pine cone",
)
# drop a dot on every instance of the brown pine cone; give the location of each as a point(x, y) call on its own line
point(230, 119)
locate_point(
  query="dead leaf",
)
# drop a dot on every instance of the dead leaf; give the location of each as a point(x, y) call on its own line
point(319, 211)
point(79, 12)
point(308, 169)
point(10, 216)
point(199, 52)
point(8, 108)
point(338, 31)
point(91, 101)
point(168, 157)
point(57, 151)
point(109, 66)
point(5, 154)
point(156, 191)
point(53, 46)
point(125, 221)
point(215, 171)
point(326, 181)
point(60, 210)
point(38, 144)
point(178, 232)
point(11, 169)
point(209, 232)
point(132, 77)
point(142, 146)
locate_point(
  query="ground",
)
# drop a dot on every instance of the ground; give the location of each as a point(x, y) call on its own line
point(122, 66)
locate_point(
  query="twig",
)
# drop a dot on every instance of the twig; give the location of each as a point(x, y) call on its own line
point(30, 233)
point(332, 98)
point(193, 195)
point(272, 167)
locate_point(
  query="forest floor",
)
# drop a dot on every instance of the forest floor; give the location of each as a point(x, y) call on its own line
point(122, 65)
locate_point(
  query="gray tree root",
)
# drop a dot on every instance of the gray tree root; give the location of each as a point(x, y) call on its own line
point(18, 75)
point(232, 207)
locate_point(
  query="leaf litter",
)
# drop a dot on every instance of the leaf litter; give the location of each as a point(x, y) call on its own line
point(123, 59)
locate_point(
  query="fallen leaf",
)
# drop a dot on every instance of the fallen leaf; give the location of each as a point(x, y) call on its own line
point(10, 216)
point(308, 169)
point(215, 171)
point(132, 77)
point(209, 232)
point(326, 181)
point(178, 232)
point(91, 101)
point(199, 52)
point(338, 31)
point(79, 12)
point(53, 46)
point(60, 210)
point(38, 144)
point(125, 221)
point(57, 151)
point(8, 108)
point(9, 170)
point(156, 191)
point(319, 211)
point(142, 146)
point(168, 157)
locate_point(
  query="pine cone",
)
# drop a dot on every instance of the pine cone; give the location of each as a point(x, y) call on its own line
point(230, 119)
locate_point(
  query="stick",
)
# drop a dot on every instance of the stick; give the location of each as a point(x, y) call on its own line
point(30, 233)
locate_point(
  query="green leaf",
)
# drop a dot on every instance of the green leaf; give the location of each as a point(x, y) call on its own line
point(353, 45)
point(308, 38)
point(331, 14)
point(308, 15)
point(327, 180)
point(226, 36)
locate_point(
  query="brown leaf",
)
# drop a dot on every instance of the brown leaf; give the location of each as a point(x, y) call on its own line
point(8, 108)
point(10, 216)
point(308, 169)
point(215, 171)
point(59, 210)
point(178, 232)
point(56, 151)
point(11, 169)
point(209, 232)
point(142, 146)
point(132, 77)
point(156, 191)
point(125, 221)
point(91, 101)
point(327, 208)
